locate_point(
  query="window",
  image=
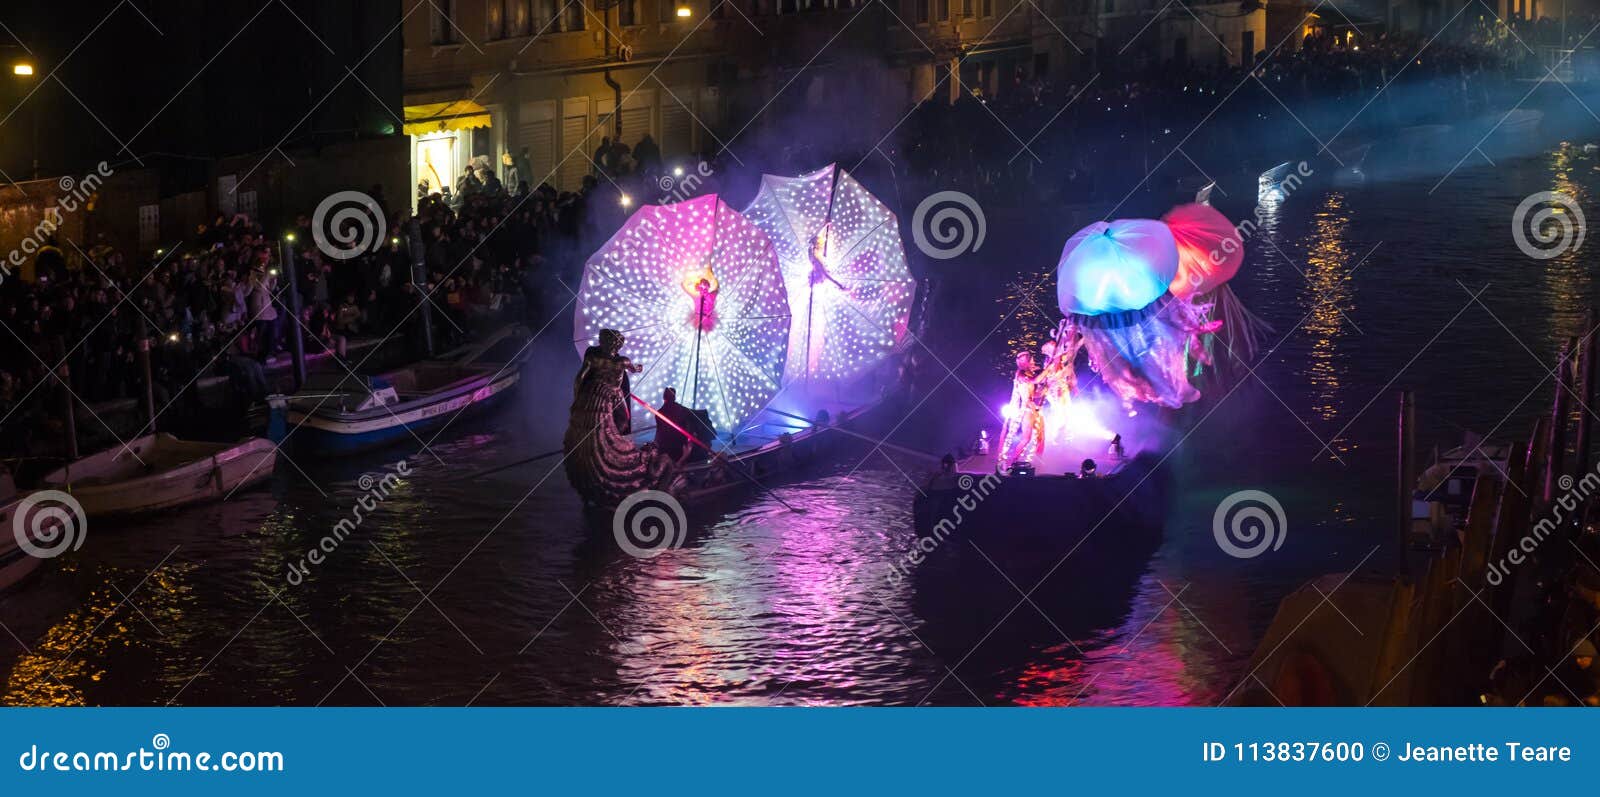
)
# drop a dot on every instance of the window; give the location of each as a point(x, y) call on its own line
point(944, 10)
point(787, 6)
point(1111, 6)
point(544, 18)
point(574, 16)
point(921, 11)
point(517, 20)
point(988, 8)
point(966, 8)
point(494, 20)
point(628, 12)
point(720, 10)
point(442, 22)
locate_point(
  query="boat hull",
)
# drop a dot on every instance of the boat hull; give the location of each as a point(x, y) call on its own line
point(207, 478)
point(332, 433)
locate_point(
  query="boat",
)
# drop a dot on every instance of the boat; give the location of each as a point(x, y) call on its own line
point(341, 414)
point(159, 471)
point(16, 563)
point(1443, 491)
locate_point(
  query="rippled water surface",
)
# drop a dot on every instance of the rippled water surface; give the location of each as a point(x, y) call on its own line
point(497, 590)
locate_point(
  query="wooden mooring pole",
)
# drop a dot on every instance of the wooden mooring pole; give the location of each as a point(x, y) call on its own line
point(1585, 379)
point(1558, 421)
point(1406, 478)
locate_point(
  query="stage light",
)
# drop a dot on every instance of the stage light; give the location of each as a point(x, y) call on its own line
point(625, 200)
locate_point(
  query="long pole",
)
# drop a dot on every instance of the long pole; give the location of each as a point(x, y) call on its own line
point(419, 281)
point(1405, 466)
point(149, 378)
point(297, 344)
point(70, 422)
point(695, 440)
point(1558, 421)
point(699, 331)
point(1586, 373)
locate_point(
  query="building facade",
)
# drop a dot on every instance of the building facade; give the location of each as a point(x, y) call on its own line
point(546, 83)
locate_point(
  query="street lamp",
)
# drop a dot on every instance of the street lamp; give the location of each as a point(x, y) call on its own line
point(684, 12)
point(22, 69)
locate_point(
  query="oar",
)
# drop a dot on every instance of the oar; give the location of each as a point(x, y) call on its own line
point(534, 458)
point(859, 436)
point(691, 438)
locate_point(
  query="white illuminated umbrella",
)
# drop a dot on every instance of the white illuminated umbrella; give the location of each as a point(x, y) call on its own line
point(844, 267)
point(722, 348)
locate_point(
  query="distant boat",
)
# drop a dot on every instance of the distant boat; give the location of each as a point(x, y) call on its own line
point(16, 564)
point(339, 414)
point(160, 471)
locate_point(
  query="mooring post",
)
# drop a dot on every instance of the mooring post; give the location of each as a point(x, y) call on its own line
point(70, 416)
point(149, 379)
point(297, 344)
point(1406, 467)
point(1558, 422)
point(1586, 354)
point(419, 280)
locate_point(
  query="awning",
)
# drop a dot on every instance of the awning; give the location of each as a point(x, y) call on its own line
point(437, 117)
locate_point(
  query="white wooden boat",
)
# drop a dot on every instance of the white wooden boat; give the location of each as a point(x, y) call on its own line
point(160, 471)
point(341, 414)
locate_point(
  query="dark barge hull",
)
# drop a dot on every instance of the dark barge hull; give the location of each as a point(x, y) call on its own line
point(1071, 543)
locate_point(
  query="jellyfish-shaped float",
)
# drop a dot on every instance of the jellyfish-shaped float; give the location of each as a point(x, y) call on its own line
point(1112, 284)
point(845, 269)
point(695, 288)
point(1210, 252)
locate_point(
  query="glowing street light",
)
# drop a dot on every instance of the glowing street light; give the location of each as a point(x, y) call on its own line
point(22, 69)
point(684, 12)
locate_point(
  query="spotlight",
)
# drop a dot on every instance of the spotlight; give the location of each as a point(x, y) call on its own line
point(625, 200)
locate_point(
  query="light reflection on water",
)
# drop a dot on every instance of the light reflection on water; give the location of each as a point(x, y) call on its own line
point(528, 603)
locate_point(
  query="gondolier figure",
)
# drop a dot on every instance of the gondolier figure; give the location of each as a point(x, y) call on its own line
point(1024, 434)
point(603, 463)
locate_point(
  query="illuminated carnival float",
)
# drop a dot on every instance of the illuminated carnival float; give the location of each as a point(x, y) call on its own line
point(777, 327)
point(1073, 472)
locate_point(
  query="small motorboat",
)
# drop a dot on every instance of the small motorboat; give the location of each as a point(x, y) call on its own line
point(340, 414)
point(159, 471)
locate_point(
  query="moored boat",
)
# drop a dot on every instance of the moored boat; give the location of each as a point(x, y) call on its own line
point(160, 471)
point(336, 414)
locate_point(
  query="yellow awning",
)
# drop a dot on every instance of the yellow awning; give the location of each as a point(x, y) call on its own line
point(437, 117)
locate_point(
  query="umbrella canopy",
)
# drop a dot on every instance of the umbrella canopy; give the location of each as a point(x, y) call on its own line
point(1113, 267)
point(844, 267)
point(696, 289)
point(1210, 250)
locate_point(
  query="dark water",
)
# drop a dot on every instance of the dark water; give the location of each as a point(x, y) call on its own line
point(492, 590)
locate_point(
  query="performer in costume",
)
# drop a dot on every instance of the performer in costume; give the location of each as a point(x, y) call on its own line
point(603, 463)
point(1024, 435)
point(1059, 378)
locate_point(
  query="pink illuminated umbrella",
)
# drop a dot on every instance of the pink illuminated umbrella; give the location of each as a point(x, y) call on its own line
point(845, 269)
point(695, 288)
point(1210, 250)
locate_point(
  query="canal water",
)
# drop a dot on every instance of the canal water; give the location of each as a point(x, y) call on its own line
point(495, 590)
